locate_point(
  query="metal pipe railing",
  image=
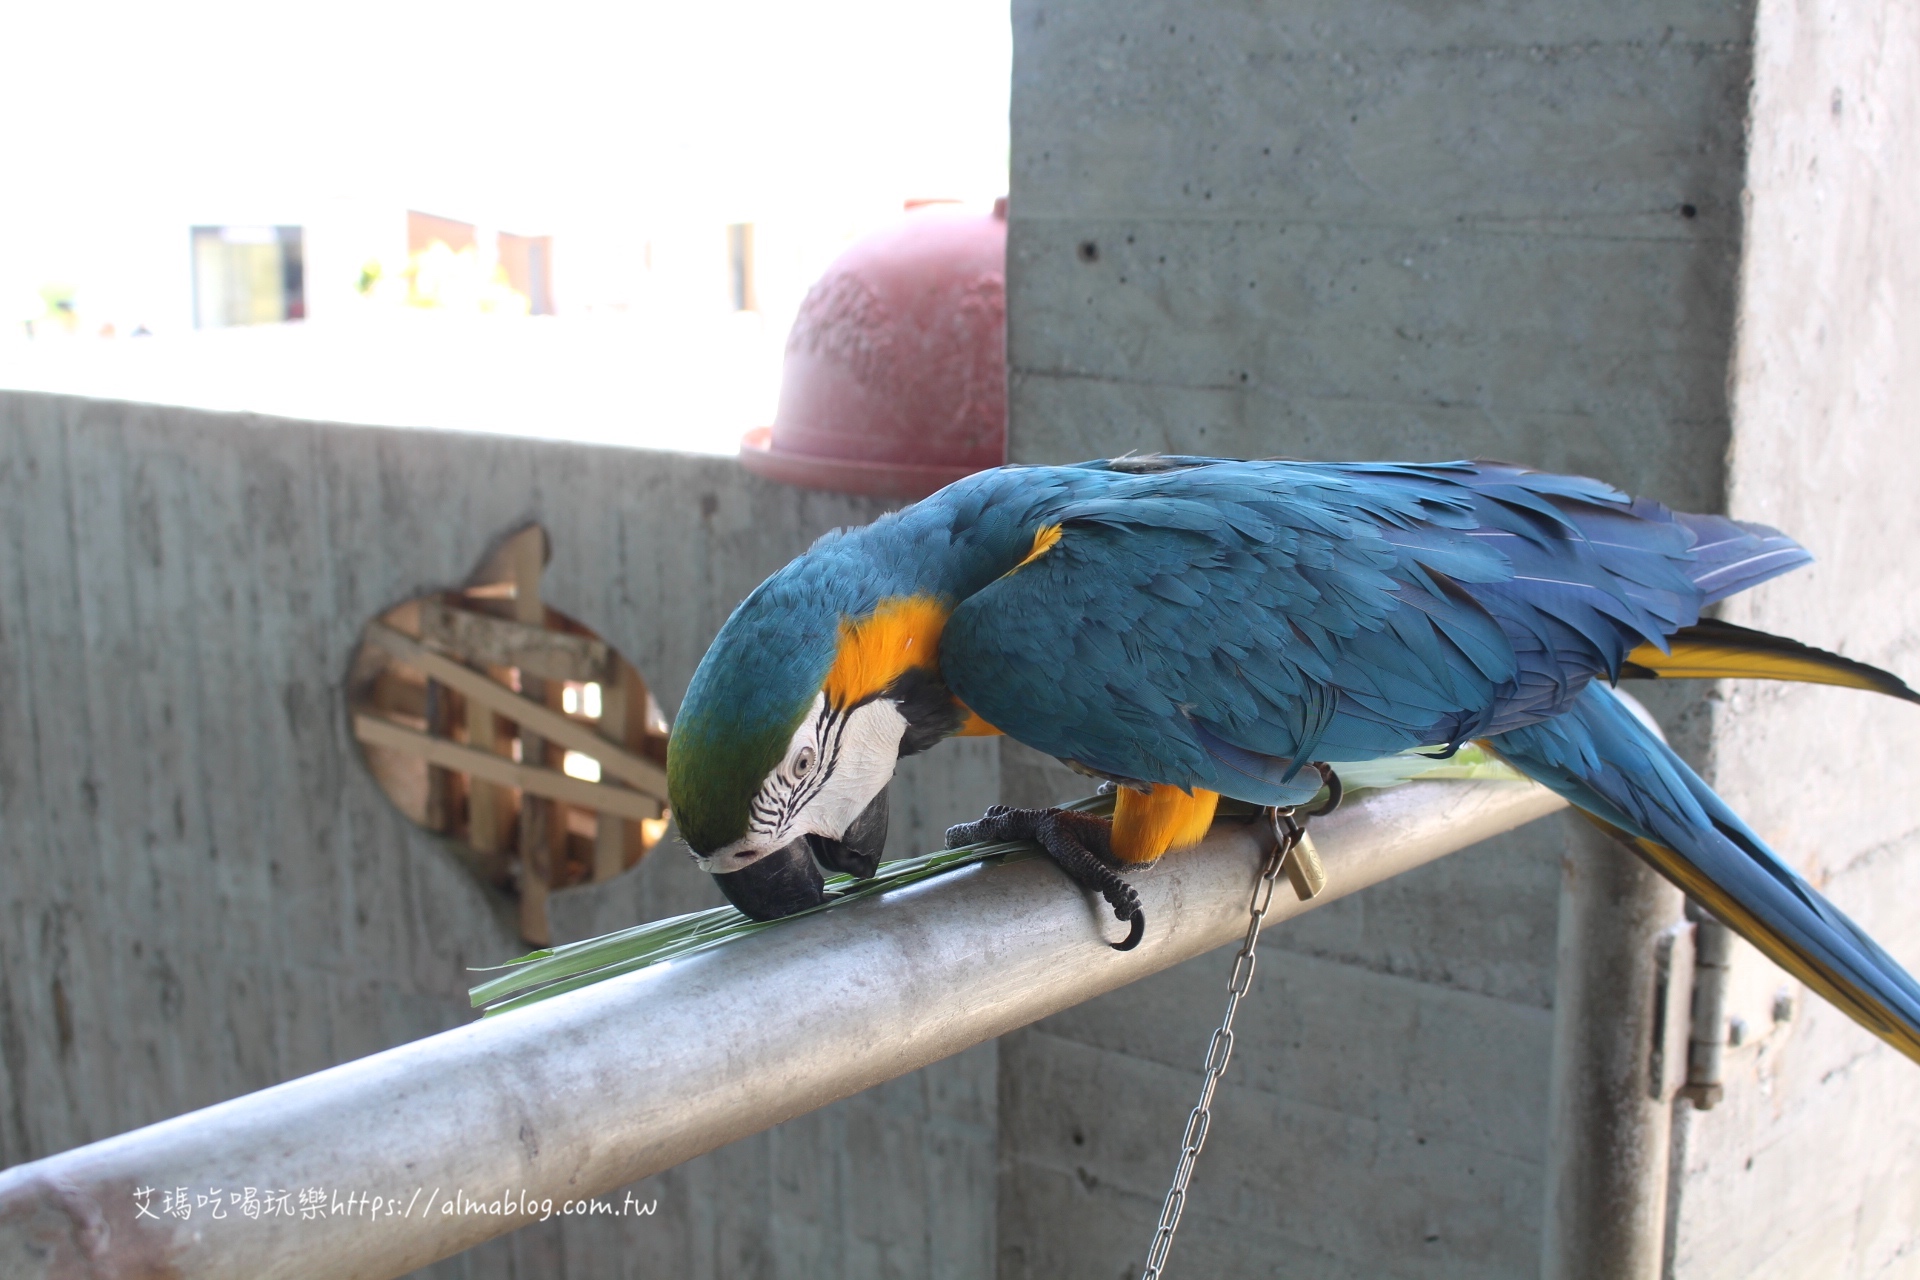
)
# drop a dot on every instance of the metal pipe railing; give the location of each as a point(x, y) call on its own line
point(580, 1095)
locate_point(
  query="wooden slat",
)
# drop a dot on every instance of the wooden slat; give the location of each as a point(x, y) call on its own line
point(438, 714)
point(502, 642)
point(636, 771)
point(486, 803)
point(623, 720)
point(550, 783)
point(542, 822)
point(609, 839)
point(394, 693)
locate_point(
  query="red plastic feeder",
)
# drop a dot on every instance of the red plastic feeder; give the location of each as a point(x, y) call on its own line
point(895, 378)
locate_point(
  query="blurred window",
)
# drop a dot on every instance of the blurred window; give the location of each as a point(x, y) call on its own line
point(527, 262)
point(424, 230)
point(248, 275)
point(740, 267)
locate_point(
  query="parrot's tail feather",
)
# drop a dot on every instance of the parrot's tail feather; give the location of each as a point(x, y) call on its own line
point(1713, 650)
point(1731, 555)
point(1604, 761)
point(1838, 991)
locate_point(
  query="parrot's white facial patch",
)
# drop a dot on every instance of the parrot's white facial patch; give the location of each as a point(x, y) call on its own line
point(836, 763)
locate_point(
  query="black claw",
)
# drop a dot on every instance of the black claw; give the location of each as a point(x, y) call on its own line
point(1079, 845)
point(1335, 790)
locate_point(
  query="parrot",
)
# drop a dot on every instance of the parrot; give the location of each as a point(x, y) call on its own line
point(1189, 628)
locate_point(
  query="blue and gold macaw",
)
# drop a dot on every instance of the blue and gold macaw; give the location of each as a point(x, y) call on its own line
point(1190, 628)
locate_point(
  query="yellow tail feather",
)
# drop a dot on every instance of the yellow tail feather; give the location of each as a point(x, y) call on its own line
point(1714, 650)
point(1850, 1000)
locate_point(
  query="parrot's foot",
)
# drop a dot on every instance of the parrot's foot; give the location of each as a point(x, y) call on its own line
point(1079, 843)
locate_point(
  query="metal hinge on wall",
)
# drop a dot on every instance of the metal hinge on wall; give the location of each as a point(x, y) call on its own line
point(1691, 1028)
point(1707, 1039)
point(1673, 993)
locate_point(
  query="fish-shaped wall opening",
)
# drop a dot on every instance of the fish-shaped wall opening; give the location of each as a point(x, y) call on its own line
point(495, 720)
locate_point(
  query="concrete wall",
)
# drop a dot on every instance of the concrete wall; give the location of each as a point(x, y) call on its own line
point(1812, 1166)
point(1367, 230)
point(1513, 230)
point(204, 891)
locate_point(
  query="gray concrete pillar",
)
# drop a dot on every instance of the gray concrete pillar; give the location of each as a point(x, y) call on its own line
point(1526, 230)
point(1335, 230)
point(1610, 1117)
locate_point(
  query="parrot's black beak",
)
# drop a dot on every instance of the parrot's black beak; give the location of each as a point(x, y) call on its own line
point(788, 880)
point(782, 883)
point(857, 851)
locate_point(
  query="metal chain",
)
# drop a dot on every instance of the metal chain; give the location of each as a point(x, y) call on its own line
point(1286, 834)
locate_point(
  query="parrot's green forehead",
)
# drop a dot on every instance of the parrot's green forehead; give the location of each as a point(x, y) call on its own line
point(753, 690)
point(712, 778)
point(715, 766)
point(844, 620)
point(750, 693)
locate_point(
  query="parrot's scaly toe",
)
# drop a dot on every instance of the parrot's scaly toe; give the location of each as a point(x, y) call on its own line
point(1078, 843)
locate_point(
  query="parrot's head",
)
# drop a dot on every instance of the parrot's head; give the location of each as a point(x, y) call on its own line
point(790, 731)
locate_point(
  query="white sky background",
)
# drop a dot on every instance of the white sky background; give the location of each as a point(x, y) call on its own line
point(123, 123)
point(544, 115)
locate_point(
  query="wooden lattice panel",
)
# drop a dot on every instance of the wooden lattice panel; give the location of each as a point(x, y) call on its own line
point(490, 718)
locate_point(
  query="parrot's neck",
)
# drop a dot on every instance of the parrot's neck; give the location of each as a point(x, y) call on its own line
point(901, 634)
point(913, 569)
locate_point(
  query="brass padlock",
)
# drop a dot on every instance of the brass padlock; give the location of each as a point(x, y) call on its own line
point(1303, 869)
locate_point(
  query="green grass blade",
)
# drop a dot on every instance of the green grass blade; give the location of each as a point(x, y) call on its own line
point(569, 967)
point(552, 971)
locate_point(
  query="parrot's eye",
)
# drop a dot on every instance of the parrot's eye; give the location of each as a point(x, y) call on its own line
point(803, 763)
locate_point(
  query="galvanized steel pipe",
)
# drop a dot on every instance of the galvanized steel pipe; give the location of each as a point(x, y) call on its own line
point(1610, 1117)
point(585, 1093)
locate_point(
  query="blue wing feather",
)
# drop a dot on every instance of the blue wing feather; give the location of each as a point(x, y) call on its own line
point(1219, 624)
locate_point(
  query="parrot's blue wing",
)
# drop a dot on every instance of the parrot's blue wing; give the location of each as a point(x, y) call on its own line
point(1221, 625)
point(1603, 760)
point(1198, 629)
